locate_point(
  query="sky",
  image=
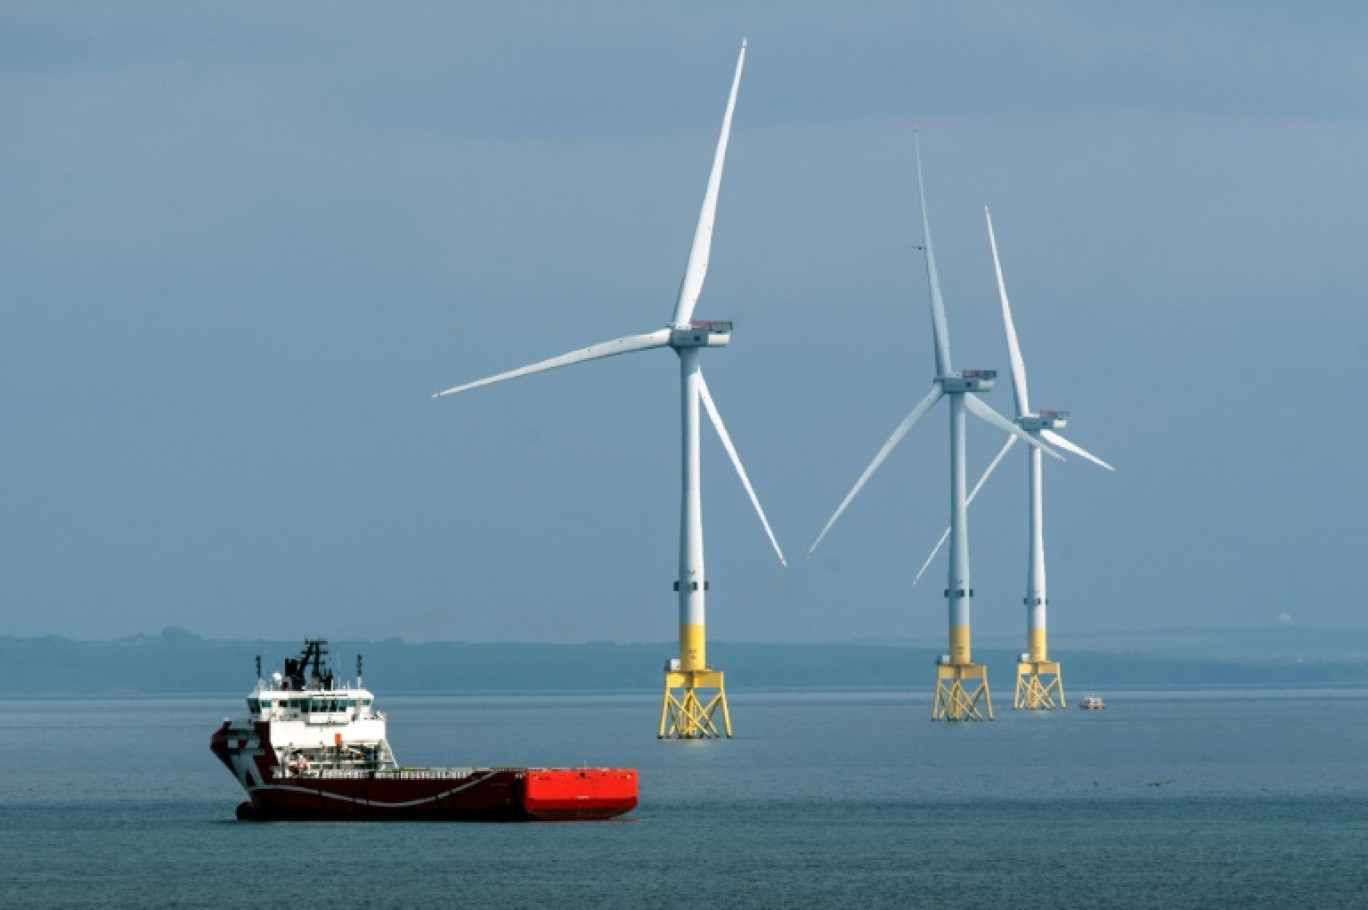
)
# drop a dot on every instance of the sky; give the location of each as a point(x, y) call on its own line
point(241, 245)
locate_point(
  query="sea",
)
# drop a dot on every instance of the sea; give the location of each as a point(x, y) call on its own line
point(1169, 800)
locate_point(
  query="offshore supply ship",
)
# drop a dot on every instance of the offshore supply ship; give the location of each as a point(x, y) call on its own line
point(314, 748)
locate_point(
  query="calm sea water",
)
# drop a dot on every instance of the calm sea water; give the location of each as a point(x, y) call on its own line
point(822, 800)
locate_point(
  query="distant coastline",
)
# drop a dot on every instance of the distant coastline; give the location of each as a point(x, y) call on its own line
point(177, 662)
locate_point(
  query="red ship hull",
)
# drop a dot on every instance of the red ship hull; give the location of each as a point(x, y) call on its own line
point(417, 794)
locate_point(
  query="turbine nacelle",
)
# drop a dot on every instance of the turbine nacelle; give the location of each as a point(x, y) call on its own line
point(700, 333)
point(1044, 420)
point(968, 381)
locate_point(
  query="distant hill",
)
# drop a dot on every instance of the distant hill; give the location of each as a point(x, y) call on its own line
point(1280, 642)
point(178, 662)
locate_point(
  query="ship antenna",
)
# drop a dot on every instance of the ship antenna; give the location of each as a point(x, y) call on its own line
point(258, 666)
point(358, 670)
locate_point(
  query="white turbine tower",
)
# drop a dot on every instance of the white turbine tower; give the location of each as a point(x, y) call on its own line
point(1039, 685)
point(961, 685)
point(683, 714)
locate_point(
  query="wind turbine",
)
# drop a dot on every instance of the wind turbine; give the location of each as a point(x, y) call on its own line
point(683, 714)
point(1039, 685)
point(961, 685)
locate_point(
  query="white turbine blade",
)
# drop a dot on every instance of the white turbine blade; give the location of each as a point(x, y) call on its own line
point(992, 466)
point(1055, 439)
point(736, 460)
point(984, 412)
point(917, 413)
point(988, 472)
point(625, 345)
point(1023, 406)
point(940, 543)
point(697, 267)
point(938, 323)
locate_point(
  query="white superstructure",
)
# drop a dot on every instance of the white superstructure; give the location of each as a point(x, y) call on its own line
point(314, 724)
point(317, 720)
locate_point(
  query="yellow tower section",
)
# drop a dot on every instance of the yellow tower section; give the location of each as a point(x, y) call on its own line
point(695, 693)
point(1039, 687)
point(961, 685)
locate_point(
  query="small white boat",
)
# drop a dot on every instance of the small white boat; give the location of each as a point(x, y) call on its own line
point(1091, 703)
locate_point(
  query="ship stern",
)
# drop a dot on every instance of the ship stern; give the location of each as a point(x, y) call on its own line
point(579, 794)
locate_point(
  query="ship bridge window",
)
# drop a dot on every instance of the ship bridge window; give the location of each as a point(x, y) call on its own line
point(266, 703)
point(253, 705)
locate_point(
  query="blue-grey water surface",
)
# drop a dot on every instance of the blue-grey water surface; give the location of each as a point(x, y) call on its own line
point(822, 800)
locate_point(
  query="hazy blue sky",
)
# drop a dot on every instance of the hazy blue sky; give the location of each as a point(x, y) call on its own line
point(240, 246)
